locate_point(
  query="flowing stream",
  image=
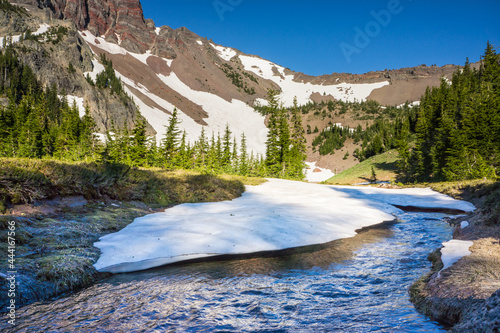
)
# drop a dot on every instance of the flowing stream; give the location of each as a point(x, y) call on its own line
point(352, 285)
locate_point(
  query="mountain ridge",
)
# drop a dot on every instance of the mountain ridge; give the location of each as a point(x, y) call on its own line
point(211, 85)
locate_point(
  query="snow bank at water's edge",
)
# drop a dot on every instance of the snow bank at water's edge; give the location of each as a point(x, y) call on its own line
point(453, 251)
point(277, 215)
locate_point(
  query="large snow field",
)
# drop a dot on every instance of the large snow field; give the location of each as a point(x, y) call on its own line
point(277, 215)
point(240, 117)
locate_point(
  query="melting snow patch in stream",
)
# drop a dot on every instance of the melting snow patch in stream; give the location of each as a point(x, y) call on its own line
point(454, 250)
point(277, 215)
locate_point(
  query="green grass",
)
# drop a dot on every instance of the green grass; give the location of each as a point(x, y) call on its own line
point(28, 180)
point(383, 164)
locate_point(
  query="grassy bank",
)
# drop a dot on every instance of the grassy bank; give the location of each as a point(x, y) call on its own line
point(61, 209)
point(384, 166)
point(30, 180)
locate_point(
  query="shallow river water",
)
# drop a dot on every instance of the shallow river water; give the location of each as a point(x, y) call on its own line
point(354, 285)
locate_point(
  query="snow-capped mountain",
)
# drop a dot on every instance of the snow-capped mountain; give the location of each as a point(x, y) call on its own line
point(211, 85)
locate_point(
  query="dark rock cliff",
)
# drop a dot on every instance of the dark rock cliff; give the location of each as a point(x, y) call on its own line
point(119, 21)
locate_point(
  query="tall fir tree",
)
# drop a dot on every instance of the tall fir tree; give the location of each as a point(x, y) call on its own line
point(243, 166)
point(88, 139)
point(202, 150)
point(226, 149)
point(273, 151)
point(298, 143)
point(171, 140)
point(139, 149)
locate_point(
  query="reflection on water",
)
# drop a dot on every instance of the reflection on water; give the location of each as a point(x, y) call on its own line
point(354, 285)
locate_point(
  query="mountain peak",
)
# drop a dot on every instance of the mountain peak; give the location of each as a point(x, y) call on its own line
point(118, 21)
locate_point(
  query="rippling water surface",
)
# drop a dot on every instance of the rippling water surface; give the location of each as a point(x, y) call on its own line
point(355, 285)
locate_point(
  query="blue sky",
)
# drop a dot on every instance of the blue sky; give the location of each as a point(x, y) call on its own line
point(320, 37)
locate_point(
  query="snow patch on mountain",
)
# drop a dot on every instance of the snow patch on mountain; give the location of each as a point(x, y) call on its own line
point(15, 39)
point(416, 103)
point(113, 48)
point(102, 43)
point(97, 68)
point(74, 100)
point(141, 57)
point(348, 92)
point(225, 53)
point(157, 118)
point(315, 174)
point(43, 29)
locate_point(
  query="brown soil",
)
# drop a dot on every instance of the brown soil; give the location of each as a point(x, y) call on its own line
point(158, 65)
point(318, 98)
point(401, 91)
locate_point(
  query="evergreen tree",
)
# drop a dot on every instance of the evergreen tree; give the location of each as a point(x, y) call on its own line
point(218, 152)
point(153, 156)
point(139, 149)
point(457, 127)
point(88, 140)
point(244, 165)
point(202, 150)
point(123, 145)
point(182, 158)
point(171, 140)
point(284, 144)
point(226, 149)
point(273, 151)
point(403, 163)
point(298, 143)
point(212, 159)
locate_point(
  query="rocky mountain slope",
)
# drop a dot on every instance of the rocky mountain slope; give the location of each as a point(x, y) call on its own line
point(163, 69)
